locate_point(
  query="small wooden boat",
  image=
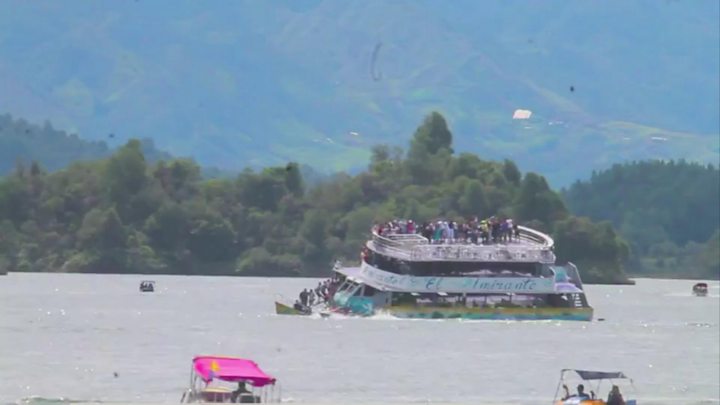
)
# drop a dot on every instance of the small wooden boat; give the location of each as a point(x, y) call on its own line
point(282, 309)
point(700, 289)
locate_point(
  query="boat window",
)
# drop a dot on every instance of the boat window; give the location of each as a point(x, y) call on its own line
point(346, 286)
point(546, 271)
point(497, 300)
point(358, 291)
point(369, 291)
point(404, 298)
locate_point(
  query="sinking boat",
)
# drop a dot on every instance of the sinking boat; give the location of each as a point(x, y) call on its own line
point(219, 379)
point(406, 276)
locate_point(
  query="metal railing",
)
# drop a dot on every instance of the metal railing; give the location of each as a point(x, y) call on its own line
point(532, 236)
point(532, 246)
point(401, 239)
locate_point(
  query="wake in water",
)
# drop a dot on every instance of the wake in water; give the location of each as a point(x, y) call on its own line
point(386, 316)
point(36, 400)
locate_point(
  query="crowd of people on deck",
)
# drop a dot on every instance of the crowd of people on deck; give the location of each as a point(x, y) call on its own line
point(474, 231)
point(486, 231)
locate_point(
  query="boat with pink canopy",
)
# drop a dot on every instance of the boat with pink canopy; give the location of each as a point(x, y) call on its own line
point(221, 379)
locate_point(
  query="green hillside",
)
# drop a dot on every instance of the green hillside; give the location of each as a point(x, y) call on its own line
point(320, 82)
point(668, 212)
point(22, 143)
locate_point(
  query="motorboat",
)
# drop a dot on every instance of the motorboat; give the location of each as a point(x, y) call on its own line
point(297, 309)
point(595, 391)
point(700, 289)
point(219, 379)
point(147, 286)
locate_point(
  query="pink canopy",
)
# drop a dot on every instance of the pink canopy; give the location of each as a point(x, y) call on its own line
point(230, 369)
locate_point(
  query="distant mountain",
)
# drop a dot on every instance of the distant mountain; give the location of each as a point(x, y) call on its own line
point(22, 143)
point(248, 83)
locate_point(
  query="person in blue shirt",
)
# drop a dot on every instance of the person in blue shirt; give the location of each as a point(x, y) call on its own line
point(580, 392)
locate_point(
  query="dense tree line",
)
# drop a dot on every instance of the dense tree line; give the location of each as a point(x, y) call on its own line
point(668, 212)
point(123, 214)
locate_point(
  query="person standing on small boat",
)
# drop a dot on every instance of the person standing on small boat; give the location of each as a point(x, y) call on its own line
point(615, 397)
point(311, 298)
point(241, 389)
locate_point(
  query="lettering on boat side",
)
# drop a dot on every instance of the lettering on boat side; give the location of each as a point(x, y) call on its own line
point(458, 284)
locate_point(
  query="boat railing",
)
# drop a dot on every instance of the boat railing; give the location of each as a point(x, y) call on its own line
point(467, 252)
point(532, 236)
point(532, 246)
point(399, 239)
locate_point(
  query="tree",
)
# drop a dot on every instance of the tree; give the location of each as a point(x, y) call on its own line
point(536, 201)
point(168, 228)
point(14, 200)
point(314, 226)
point(430, 150)
point(433, 135)
point(511, 172)
point(263, 190)
point(101, 229)
point(125, 172)
point(314, 230)
point(595, 247)
point(212, 238)
point(35, 169)
point(294, 180)
point(473, 200)
point(259, 262)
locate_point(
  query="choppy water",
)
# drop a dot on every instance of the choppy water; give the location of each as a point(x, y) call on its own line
point(63, 336)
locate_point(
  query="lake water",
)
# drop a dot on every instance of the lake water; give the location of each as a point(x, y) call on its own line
point(63, 336)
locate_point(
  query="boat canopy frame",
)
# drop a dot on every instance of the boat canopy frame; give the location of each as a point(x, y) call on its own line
point(591, 376)
point(261, 386)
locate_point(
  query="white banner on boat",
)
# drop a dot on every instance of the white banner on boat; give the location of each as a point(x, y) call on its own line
point(405, 283)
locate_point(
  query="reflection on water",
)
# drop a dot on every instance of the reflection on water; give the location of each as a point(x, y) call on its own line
point(68, 336)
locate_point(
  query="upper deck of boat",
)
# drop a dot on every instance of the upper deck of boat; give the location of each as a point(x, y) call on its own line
point(530, 247)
